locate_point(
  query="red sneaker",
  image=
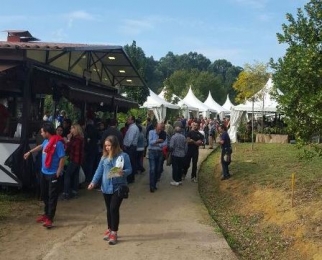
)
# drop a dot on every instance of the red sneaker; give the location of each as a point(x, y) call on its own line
point(48, 223)
point(41, 219)
point(113, 238)
point(107, 234)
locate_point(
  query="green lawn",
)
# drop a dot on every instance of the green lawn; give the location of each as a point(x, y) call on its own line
point(266, 167)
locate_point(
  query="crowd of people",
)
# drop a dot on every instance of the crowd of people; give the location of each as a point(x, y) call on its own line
point(101, 147)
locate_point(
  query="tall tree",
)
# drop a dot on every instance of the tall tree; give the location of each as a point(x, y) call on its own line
point(299, 73)
point(251, 80)
point(137, 57)
point(201, 82)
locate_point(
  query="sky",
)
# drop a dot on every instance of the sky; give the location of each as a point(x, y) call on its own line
point(239, 31)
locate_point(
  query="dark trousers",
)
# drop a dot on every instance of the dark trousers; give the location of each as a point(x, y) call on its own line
point(224, 166)
point(49, 192)
point(89, 166)
point(71, 178)
point(177, 168)
point(113, 203)
point(193, 155)
point(131, 151)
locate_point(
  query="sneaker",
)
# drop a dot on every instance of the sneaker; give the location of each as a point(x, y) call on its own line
point(48, 223)
point(194, 180)
point(41, 219)
point(174, 183)
point(64, 196)
point(113, 238)
point(106, 236)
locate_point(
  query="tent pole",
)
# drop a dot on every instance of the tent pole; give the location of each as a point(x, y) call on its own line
point(253, 125)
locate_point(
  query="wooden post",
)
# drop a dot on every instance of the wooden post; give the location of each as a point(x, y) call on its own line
point(293, 184)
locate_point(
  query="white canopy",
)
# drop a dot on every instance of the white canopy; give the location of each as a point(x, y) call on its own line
point(210, 102)
point(191, 99)
point(263, 101)
point(158, 105)
point(228, 105)
point(173, 98)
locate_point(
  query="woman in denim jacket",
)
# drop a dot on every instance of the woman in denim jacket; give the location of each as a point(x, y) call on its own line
point(112, 154)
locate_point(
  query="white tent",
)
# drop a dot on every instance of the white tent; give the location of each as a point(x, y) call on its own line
point(228, 105)
point(210, 102)
point(158, 106)
point(173, 98)
point(191, 99)
point(263, 102)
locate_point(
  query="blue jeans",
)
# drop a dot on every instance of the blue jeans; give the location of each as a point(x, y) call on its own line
point(155, 160)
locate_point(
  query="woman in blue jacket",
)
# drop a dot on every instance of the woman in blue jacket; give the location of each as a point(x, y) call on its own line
point(111, 181)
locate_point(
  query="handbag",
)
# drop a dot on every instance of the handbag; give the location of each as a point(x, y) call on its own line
point(123, 191)
point(169, 159)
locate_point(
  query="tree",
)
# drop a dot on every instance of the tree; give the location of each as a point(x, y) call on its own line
point(137, 57)
point(201, 81)
point(299, 73)
point(251, 80)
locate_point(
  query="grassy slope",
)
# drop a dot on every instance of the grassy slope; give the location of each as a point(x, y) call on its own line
point(254, 207)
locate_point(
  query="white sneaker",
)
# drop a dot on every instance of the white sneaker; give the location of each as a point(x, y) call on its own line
point(174, 183)
point(194, 180)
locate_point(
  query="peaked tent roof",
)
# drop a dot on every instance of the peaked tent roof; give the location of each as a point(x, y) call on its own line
point(212, 103)
point(173, 98)
point(180, 102)
point(263, 100)
point(190, 98)
point(153, 101)
point(228, 105)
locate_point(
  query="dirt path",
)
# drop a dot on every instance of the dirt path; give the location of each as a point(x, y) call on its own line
point(171, 223)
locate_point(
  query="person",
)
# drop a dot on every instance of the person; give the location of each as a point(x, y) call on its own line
point(75, 151)
point(226, 150)
point(91, 142)
point(53, 156)
point(4, 120)
point(155, 155)
point(140, 151)
point(194, 140)
point(212, 134)
point(130, 142)
point(112, 130)
point(178, 149)
point(109, 187)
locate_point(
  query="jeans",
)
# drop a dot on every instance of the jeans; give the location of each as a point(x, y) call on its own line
point(177, 168)
point(49, 193)
point(71, 178)
point(155, 160)
point(113, 203)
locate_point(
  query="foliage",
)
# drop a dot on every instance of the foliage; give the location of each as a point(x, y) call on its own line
point(299, 73)
point(201, 82)
point(250, 81)
point(137, 57)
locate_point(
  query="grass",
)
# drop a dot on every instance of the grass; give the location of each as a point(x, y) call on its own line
point(253, 207)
